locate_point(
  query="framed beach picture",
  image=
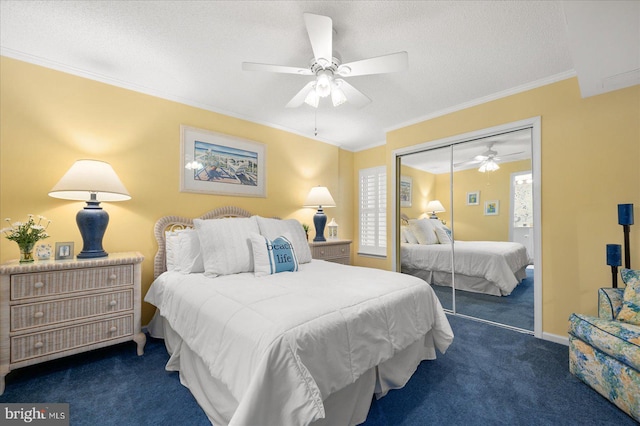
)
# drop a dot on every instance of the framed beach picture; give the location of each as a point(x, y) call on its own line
point(406, 184)
point(473, 198)
point(215, 163)
point(491, 208)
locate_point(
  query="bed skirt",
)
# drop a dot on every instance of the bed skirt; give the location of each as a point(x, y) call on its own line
point(463, 282)
point(348, 406)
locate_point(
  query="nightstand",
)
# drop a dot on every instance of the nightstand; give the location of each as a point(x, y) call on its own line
point(338, 251)
point(55, 308)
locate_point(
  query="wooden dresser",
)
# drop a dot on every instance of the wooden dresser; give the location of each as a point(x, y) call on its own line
point(338, 251)
point(55, 308)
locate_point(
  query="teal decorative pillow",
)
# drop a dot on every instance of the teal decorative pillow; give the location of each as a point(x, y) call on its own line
point(630, 312)
point(273, 256)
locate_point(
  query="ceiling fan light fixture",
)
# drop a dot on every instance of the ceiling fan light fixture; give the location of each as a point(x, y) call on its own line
point(323, 83)
point(312, 98)
point(489, 166)
point(337, 95)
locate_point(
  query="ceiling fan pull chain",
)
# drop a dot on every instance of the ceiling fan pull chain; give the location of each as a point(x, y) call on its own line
point(315, 122)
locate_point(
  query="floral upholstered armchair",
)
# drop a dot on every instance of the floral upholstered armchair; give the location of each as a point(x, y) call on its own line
point(604, 351)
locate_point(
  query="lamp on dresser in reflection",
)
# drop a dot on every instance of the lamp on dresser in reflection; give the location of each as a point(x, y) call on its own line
point(434, 207)
point(92, 181)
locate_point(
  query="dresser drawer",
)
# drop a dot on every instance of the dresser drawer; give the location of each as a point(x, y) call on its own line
point(45, 313)
point(24, 286)
point(68, 338)
point(332, 251)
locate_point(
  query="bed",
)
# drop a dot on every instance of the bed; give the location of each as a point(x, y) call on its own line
point(488, 267)
point(310, 345)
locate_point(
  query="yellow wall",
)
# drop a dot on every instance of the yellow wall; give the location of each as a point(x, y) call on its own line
point(471, 223)
point(49, 119)
point(423, 191)
point(590, 152)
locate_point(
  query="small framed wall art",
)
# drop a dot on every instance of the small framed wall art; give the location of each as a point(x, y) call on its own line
point(473, 198)
point(406, 186)
point(491, 208)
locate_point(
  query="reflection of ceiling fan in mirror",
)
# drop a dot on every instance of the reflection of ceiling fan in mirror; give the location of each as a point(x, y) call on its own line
point(488, 160)
point(327, 67)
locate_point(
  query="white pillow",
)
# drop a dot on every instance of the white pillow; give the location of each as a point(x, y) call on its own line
point(273, 256)
point(273, 228)
point(437, 223)
point(183, 251)
point(444, 235)
point(408, 235)
point(403, 238)
point(226, 244)
point(424, 231)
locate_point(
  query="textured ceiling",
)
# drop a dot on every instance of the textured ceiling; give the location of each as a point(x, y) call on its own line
point(191, 52)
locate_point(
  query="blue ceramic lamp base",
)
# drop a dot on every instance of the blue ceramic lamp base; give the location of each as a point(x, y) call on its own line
point(319, 220)
point(92, 222)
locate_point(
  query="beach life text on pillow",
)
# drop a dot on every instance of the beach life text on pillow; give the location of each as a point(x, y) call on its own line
point(273, 256)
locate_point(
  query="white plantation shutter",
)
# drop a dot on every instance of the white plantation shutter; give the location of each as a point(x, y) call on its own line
point(373, 211)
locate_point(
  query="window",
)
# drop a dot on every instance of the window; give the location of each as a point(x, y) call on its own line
point(373, 211)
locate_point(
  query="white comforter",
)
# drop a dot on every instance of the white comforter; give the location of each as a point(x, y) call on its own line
point(496, 261)
point(283, 343)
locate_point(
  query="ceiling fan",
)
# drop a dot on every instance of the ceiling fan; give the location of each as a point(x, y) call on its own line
point(488, 160)
point(328, 68)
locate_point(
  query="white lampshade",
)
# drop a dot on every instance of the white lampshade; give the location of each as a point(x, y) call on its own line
point(319, 196)
point(90, 176)
point(435, 206)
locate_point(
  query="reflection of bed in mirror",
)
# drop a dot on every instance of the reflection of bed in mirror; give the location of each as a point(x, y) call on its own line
point(488, 267)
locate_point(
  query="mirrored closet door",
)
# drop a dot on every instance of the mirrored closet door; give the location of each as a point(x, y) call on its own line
point(476, 197)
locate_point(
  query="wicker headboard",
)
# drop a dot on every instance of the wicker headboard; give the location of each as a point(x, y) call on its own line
point(172, 223)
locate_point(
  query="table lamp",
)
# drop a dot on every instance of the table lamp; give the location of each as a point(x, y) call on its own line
point(319, 197)
point(92, 181)
point(434, 207)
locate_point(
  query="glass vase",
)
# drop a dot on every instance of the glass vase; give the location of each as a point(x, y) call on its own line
point(26, 253)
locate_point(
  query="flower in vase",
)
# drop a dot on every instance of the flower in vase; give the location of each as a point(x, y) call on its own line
point(26, 234)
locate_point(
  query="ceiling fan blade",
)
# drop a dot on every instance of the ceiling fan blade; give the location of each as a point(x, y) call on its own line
point(466, 163)
point(299, 98)
point(379, 65)
point(511, 154)
point(320, 29)
point(353, 95)
point(252, 66)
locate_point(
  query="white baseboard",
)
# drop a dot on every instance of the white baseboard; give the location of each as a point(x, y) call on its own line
point(563, 340)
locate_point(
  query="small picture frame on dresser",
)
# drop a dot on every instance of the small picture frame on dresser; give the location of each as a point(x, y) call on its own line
point(64, 250)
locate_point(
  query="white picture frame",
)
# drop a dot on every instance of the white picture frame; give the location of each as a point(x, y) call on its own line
point(215, 163)
point(473, 198)
point(492, 208)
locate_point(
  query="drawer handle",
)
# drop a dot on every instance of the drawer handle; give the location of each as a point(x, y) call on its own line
point(342, 250)
point(321, 251)
point(39, 284)
point(113, 329)
point(113, 277)
point(38, 314)
point(38, 345)
point(113, 303)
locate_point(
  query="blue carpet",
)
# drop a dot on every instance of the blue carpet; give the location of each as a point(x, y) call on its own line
point(489, 376)
point(516, 310)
